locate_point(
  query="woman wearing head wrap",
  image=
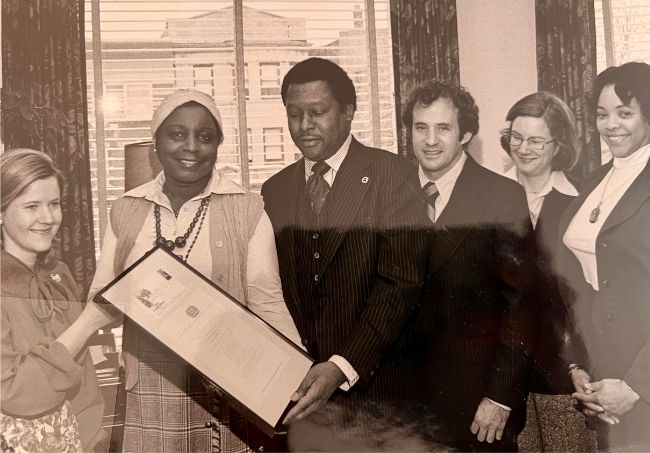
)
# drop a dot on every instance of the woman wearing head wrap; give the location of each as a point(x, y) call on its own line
point(50, 396)
point(222, 231)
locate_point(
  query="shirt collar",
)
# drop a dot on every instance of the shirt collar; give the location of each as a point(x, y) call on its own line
point(218, 184)
point(639, 157)
point(561, 183)
point(445, 184)
point(335, 160)
point(557, 181)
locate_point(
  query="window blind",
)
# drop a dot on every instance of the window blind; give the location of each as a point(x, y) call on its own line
point(140, 51)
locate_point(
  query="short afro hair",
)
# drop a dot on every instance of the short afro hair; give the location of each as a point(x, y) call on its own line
point(317, 69)
point(630, 80)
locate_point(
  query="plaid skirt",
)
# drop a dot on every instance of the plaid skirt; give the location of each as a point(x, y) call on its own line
point(170, 410)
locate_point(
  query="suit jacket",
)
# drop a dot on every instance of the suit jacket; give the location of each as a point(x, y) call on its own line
point(369, 267)
point(549, 375)
point(477, 326)
point(612, 326)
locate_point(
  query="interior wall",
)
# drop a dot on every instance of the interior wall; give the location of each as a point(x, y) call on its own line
point(496, 40)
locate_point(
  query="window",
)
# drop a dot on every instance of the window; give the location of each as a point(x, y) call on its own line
point(150, 48)
point(622, 35)
point(273, 147)
point(270, 79)
point(128, 101)
point(249, 138)
point(204, 78)
point(623, 32)
point(246, 81)
point(249, 135)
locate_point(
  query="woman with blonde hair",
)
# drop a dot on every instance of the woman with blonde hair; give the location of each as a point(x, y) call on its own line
point(50, 397)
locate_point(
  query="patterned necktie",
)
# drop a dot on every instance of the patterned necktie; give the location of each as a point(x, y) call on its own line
point(317, 188)
point(431, 194)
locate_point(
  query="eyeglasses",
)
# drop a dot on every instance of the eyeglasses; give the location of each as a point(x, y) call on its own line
point(535, 143)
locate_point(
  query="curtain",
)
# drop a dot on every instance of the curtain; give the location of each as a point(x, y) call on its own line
point(44, 107)
point(566, 66)
point(425, 45)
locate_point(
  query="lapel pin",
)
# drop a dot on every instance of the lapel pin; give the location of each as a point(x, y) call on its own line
point(365, 179)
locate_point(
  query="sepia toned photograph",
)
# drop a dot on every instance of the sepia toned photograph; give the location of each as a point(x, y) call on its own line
point(350, 225)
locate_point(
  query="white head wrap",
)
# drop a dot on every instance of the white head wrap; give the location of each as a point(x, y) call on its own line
point(180, 97)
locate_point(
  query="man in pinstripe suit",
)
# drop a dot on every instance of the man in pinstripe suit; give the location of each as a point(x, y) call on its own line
point(477, 322)
point(351, 262)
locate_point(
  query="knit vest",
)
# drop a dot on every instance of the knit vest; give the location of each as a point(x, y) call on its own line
point(233, 221)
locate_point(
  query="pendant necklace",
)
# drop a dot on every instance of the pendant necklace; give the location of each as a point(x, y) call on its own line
point(595, 213)
point(593, 216)
point(181, 241)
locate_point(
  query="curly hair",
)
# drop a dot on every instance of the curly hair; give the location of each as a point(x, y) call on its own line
point(319, 69)
point(630, 80)
point(558, 118)
point(426, 93)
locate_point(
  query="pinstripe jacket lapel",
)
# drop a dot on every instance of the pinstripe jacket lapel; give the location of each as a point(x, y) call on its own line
point(289, 229)
point(342, 204)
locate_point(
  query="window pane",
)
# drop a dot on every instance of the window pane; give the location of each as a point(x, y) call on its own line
point(151, 48)
point(270, 79)
point(629, 30)
point(273, 147)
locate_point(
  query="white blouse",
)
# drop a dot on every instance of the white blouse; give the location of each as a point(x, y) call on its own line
point(557, 181)
point(263, 278)
point(581, 235)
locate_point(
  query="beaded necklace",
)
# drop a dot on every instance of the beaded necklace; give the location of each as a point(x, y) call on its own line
point(181, 241)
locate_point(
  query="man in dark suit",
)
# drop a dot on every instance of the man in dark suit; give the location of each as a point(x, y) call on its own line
point(351, 262)
point(476, 327)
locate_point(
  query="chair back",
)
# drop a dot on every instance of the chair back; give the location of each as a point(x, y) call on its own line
point(140, 164)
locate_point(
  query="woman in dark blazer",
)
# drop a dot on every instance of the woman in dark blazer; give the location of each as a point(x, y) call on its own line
point(541, 139)
point(606, 262)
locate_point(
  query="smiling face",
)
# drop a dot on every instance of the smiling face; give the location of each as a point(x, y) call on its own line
point(32, 219)
point(436, 137)
point(186, 145)
point(624, 128)
point(532, 162)
point(317, 122)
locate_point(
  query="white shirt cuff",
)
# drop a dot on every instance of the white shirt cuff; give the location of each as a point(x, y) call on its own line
point(502, 406)
point(347, 369)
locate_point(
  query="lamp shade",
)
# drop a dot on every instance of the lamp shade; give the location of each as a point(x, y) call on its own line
point(140, 164)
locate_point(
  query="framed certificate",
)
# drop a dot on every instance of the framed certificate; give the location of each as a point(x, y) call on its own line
point(254, 365)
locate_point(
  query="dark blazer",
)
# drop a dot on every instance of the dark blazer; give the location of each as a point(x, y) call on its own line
point(367, 277)
point(612, 325)
point(549, 372)
point(477, 326)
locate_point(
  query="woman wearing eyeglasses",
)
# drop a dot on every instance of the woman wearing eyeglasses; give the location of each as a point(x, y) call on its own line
point(606, 260)
point(50, 397)
point(541, 140)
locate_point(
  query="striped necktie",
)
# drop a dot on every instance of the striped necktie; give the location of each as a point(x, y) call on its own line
point(431, 194)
